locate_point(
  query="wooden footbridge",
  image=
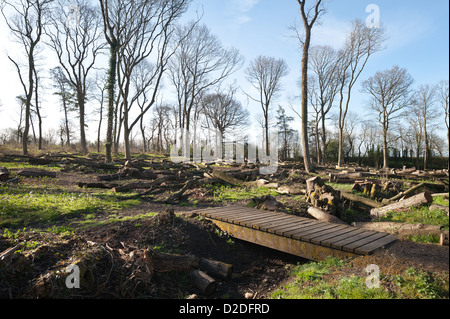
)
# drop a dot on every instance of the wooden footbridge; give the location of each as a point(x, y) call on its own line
point(303, 237)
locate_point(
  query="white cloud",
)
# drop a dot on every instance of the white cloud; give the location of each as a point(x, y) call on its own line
point(240, 9)
point(243, 6)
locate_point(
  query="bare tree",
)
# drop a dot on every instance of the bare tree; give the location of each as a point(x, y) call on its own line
point(75, 36)
point(390, 92)
point(65, 93)
point(424, 104)
point(361, 44)
point(443, 96)
point(310, 16)
point(265, 74)
point(323, 61)
point(224, 111)
point(147, 35)
point(200, 63)
point(26, 24)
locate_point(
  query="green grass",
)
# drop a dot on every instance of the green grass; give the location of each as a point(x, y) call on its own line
point(235, 194)
point(21, 206)
point(322, 281)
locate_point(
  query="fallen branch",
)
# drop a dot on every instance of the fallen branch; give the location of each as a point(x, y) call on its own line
point(362, 200)
point(417, 200)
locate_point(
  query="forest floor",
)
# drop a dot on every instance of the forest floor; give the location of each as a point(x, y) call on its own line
point(52, 222)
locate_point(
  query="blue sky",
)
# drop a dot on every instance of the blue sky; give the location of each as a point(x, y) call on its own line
point(417, 31)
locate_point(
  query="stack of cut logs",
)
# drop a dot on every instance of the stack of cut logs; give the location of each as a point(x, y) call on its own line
point(144, 263)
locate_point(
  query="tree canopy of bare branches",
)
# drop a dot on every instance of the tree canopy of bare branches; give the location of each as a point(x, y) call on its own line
point(26, 22)
point(75, 36)
point(362, 42)
point(265, 74)
point(390, 92)
point(199, 63)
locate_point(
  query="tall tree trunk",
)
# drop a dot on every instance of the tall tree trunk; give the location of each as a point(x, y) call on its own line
point(305, 144)
point(385, 149)
point(111, 83)
point(81, 105)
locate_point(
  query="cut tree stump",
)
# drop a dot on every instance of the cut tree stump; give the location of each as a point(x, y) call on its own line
point(417, 200)
point(324, 216)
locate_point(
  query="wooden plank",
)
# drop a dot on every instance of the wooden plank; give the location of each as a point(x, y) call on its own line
point(277, 228)
point(352, 246)
point(327, 239)
point(369, 248)
point(248, 219)
point(238, 215)
point(357, 234)
point(273, 219)
point(270, 227)
point(296, 225)
point(298, 232)
point(308, 235)
point(230, 210)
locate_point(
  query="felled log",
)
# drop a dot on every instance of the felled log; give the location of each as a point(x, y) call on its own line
point(232, 180)
point(40, 161)
point(112, 177)
point(216, 268)
point(394, 228)
point(348, 176)
point(291, 190)
point(362, 200)
point(37, 173)
point(132, 186)
point(417, 200)
point(324, 216)
point(203, 282)
point(167, 263)
point(97, 185)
